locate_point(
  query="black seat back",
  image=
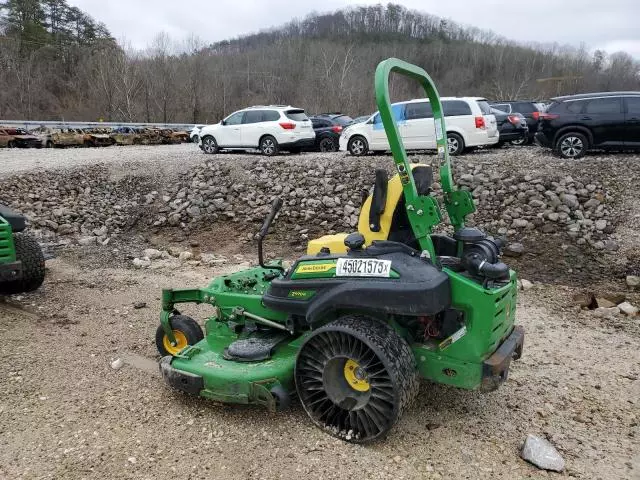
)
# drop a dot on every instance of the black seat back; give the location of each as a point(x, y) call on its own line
point(400, 227)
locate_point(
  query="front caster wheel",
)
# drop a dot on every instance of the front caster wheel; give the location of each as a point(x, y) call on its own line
point(186, 331)
point(355, 377)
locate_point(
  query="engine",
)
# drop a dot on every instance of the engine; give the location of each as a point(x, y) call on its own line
point(480, 255)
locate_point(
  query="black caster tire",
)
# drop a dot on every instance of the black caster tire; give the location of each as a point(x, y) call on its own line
point(186, 330)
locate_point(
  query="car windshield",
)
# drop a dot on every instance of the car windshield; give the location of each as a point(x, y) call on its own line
point(398, 111)
point(343, 120)
point(297, 115)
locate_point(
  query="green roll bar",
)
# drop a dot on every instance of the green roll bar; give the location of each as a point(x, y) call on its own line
point(423, 211)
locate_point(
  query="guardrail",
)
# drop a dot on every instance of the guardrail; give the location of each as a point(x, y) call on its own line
point(29, 124)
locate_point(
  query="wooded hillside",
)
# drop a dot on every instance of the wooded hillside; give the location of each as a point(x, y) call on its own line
point(58, 63)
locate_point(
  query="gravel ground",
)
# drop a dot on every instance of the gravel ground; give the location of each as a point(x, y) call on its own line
point(65, 413)
point(126, 158)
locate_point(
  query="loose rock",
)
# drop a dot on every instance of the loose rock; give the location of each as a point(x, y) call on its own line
point(117, 364)
point(628, 309)
point(542, 454)
point(633, 281)
point(525, 285)
point(514, 250)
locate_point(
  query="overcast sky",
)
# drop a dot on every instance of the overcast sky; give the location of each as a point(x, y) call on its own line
point(611, 25)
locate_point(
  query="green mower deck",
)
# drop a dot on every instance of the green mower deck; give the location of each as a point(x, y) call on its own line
point(351, 333)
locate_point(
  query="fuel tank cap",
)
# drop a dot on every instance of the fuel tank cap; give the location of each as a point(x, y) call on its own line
point(354, 241)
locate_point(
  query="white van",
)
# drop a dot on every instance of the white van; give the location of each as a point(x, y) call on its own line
point(469, 121)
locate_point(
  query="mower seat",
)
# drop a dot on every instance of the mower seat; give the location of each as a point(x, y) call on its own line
point(16, 221)
point(382, 215)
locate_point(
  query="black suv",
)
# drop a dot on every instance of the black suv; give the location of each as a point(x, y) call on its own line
point(328, 128)
point(530, 111)
point(576, 123)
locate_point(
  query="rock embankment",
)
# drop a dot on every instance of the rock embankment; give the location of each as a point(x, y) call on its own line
point(578, 204)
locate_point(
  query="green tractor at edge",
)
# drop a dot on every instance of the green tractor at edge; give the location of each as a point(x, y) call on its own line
point(22, 266)
point(351, 327)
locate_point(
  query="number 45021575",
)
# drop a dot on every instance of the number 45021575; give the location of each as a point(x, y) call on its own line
point(363, 267)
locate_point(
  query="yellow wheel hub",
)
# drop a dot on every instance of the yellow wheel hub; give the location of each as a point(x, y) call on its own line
point(355, 376)
point(181, 342)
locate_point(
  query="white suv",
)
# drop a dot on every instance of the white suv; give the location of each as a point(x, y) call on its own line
point(469, 121)
point(267, 128)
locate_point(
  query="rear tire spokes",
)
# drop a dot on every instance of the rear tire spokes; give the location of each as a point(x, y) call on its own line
point(357, 406)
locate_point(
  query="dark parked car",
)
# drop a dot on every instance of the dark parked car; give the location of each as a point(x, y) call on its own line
point(530, 110)
point(328, 128)
point(574, 124)
point(512, 127)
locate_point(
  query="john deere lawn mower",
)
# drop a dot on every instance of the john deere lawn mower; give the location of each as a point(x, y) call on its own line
point(21, 259)
point(352, 326)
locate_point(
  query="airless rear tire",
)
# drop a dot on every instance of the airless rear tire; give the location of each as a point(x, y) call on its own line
point(355, 377)
point(29, 253)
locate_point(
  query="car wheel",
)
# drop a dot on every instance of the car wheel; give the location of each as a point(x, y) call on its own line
point(571, 145)
point(520, 141)
point(327, 144)
point(455, 143)
point(49, 144)
point(358, 146)
point(269, 146)
point(209, 145)
point(11, 144)
point(196, 139)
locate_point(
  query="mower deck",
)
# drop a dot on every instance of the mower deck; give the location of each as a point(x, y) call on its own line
point(202, 369)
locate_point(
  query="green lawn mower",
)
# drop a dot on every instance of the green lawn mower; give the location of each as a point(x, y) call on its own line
point(352, 326)
point(21, 259)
